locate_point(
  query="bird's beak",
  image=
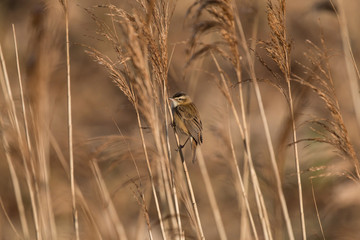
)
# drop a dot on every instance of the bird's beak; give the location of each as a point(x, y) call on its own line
point(173, 102)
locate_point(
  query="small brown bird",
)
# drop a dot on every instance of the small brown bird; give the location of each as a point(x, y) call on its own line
point(187, 119)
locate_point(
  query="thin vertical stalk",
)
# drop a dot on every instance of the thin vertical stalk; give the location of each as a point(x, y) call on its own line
point(351, 68)
point(188, 183)
point(177, 209)
point(242, 187)
point(244, 222)
point(16, 186)
point(110, 208)
point(211, 195)
point(171, 178)
point(296, 152)
point(168, 193)
point(247, 144)
point(9, 220)
point(246, 169)
point(26, 128)
point(70, 127)
point(150, 173)
point(264, 219)
point(297, 164)
point(5, 85)
point(191, 191)
point(267, 131)
point(164, 180)
point(65, 164)
point(317, 210)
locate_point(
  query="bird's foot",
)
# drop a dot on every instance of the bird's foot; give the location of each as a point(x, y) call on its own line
point(180, 147)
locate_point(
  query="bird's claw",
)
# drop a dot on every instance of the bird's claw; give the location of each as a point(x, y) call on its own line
point(179, 148)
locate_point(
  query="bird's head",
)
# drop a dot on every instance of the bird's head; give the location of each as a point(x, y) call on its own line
point(180, 98)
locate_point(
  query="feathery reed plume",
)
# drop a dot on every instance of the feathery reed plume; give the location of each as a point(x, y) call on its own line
point(140, 71)
point(219, 20)
point(129, 181)
point(278, 49)
point(322, 84)
point(219, 17)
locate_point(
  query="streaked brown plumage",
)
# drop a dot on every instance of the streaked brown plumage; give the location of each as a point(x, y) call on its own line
point(187, 119)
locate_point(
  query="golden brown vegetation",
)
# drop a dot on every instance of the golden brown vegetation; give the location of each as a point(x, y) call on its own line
point(276, 84)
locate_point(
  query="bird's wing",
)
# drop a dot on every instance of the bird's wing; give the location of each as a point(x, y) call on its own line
point(192, 121)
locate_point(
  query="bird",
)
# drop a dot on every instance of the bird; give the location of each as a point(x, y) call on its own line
point(186, 120)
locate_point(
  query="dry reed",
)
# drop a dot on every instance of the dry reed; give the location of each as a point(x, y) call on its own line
point(135, 185)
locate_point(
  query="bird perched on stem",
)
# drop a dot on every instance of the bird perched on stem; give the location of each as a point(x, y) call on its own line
point(187, 120)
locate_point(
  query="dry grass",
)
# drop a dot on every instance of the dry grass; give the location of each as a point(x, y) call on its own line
point(83, 160)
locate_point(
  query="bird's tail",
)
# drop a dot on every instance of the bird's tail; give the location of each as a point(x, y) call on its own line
point(193, 148)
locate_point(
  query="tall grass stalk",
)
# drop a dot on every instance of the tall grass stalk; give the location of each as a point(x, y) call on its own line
point(223, 17)
point(28, 142)
point(6, 89)
point(170, 165)
point(238, 71)
point(16, 186)
point(351, 66)
point(9, 219)
point(199, 227)
point(352, 69)
point(150, 175)
point(211, 195)
point(41, 54)
point(81, 198)
point(267, 131)
point(243, 189)
point(279, 49)
point(109, 206)
point(317, 210)
point(169, 197)
point(47, 179)
point(258, 194)
point(141, 74)
point(247, 112)
point(65, 4)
